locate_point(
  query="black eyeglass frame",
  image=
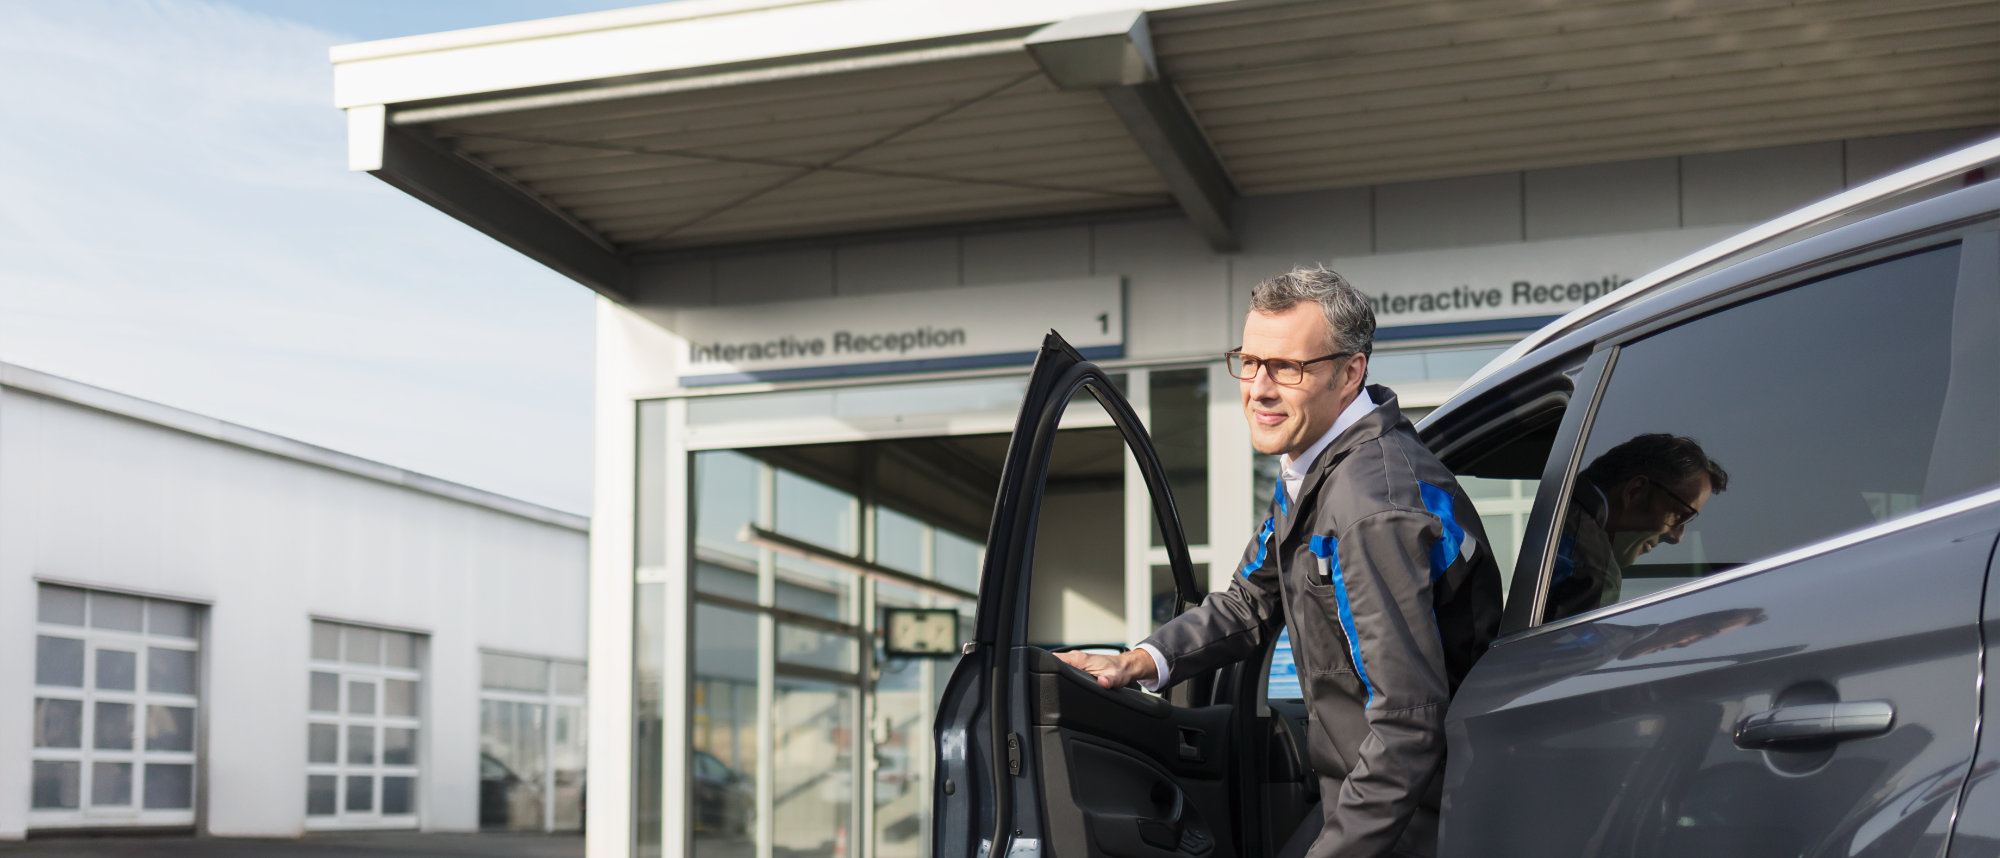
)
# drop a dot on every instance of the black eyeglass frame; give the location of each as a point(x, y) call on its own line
point(1264, 363)
point(1691, 511)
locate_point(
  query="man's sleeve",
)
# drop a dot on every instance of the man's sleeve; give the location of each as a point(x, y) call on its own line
point(1384, 597)
point(1227, 626)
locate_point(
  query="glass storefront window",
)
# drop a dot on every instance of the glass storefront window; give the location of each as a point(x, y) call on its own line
point(1179, 427)
point(1401, 366)
point(723, 772)
point(531, 744)
point(814, 761)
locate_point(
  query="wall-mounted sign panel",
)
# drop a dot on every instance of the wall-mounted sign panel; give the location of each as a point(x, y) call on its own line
point(942, 329)
point(1508, 287)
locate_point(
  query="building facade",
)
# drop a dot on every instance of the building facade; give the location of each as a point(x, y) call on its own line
point(227, 631)
point(829, 238)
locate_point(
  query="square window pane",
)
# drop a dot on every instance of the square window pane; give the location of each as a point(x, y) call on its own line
point(169, 671)
point(360, 793)
point(364, 646)
point(570, 678)
point(399, 747)
point(111, 784)
point(58, 661)
point(360, 746)
point(399, 649)
point(60, 605)
point(117, 670)
point(322, 795)
point(326, 642)
point(323, 744)
point(169, 728)
point(399, 697)
point(113, 731)
point(513, 673)
point(170, 619)
point(360, 698)
point(117, 611)
point(56, 785)
point(325, 692)
point(169, 786)
point(815, 648)
point(399, 796)
point(58, 723)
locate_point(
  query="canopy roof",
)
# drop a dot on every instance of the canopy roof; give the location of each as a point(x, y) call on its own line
point(596, 142)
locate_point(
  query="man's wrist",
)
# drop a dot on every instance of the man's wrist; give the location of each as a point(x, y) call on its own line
point(1139, 665)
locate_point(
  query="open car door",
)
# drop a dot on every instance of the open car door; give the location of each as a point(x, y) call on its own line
point(1034, 758)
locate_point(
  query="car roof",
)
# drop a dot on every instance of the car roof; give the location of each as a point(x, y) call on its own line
point(1910, 201)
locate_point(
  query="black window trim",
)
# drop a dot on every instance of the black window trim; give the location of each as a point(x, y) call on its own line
point(1602, 362)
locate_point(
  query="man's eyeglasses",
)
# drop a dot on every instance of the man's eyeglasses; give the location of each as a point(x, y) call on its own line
point(1680, 518)
point(1284, 371)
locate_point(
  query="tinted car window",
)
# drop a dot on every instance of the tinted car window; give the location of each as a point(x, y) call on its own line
point(1769, 425)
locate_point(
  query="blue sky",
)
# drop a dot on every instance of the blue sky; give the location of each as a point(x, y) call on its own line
point(177, 223)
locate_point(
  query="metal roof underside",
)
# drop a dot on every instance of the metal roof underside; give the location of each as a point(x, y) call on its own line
point(1287, 96)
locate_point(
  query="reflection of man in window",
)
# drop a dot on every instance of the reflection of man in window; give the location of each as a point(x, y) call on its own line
point(1637, 495)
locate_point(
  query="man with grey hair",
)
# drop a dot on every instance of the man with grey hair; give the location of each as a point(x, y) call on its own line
point(1370, 555)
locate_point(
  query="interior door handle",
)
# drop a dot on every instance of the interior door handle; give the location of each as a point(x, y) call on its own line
point(1191, 744)
point(1815, 724)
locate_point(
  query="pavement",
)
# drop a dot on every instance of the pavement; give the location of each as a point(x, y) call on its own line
point(331, 845)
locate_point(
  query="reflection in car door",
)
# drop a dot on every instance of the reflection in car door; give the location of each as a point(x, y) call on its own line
point(1817, 692)
point(1032, 755)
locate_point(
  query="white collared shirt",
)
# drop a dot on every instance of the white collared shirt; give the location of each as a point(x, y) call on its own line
point(1292, 472)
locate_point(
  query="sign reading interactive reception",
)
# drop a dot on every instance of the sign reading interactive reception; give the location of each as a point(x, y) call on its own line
point(1434, 292)
point(904, 332)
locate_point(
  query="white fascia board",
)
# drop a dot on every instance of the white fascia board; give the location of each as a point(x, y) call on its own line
point(692, 34)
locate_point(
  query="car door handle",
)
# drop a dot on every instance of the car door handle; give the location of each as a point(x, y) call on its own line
point(1814, 724)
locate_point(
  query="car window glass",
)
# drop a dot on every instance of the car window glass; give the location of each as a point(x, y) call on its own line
point(1766, 426)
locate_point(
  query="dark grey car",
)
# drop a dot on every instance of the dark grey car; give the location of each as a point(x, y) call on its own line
point(1790, 666)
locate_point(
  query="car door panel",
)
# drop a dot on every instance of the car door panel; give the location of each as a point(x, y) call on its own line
point(1032, 754)
point(1615, 733)
point(1977, 831)
point(1126, 772)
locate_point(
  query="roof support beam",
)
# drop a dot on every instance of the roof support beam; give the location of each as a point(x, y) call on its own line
point(1113, 54)
point(1160, 124)
point(484, 201)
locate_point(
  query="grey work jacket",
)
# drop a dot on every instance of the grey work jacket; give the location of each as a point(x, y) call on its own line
point(1384, 575)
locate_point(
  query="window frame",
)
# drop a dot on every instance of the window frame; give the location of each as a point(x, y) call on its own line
point(141, 697)
point(1525, 610)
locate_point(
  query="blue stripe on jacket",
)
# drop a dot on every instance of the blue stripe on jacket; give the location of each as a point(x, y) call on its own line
point(1326, 548)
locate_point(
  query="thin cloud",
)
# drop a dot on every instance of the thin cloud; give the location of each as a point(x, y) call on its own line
point(177, 223)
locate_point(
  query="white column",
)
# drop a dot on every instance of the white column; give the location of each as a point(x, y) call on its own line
point(1138, 521)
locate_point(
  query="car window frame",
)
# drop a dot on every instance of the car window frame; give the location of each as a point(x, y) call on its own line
point(1524, 614)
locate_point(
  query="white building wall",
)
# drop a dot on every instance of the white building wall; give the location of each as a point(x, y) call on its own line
point(270, 542)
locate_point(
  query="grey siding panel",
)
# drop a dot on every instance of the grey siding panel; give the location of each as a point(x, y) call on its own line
point(897, 266)
point(781, 276)
point(1596, 199)
point(1310, 226)
point(1757, 184)
point(1027, 255)
point(1448, 213)
point(1872, 157)
point(1177, 292)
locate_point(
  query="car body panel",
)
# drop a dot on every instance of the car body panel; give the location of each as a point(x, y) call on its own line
point(1616, 735)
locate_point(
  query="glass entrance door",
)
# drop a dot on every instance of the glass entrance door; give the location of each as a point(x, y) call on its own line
point(804, 738)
